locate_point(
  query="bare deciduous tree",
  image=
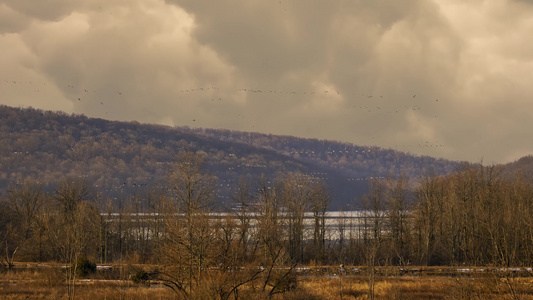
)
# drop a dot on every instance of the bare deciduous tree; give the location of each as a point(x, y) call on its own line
point(189, 234)
point(319, 205)
point(272, 254)
point(375, 210)
point(242, 197)
point(74, 227)
point(26, 199)
point(297, 196)
point(398, 202)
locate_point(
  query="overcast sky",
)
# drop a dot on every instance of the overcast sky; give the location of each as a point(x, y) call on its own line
point(446, 78)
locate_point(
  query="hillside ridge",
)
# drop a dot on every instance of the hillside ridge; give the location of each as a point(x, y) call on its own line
point(118, 158)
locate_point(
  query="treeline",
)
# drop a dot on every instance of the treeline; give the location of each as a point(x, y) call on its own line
point(172, 226)
point(475, 216)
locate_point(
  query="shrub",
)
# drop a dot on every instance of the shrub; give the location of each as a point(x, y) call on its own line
point(140, 276)
point(285, 282)
point(84, 266)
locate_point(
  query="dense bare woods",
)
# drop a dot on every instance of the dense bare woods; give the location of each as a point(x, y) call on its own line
point(476, 216)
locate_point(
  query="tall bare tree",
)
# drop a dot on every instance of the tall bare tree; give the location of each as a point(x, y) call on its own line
point(189, 233)
point(242, 198)
point(298, 189)
point(26, 201)
point(319, 205)
point(374, 205)
point(429, 219)
point(75, 227)
point(272, 253)
point(398, 203)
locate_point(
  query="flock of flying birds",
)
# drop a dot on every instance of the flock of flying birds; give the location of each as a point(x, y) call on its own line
point(366, 103)
point(362, 102)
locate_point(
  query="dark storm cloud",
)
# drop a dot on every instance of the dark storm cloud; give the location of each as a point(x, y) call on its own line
point(46, 10)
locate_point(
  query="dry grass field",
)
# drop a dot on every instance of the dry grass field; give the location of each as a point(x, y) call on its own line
point(47, 282)
point(427, 287)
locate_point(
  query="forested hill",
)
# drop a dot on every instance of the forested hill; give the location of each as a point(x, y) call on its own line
point(522, 167)
point(357, 162)
point(121, 158)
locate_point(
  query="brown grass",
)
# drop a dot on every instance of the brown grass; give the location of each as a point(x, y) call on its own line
point(48, 283)
point(426, 287)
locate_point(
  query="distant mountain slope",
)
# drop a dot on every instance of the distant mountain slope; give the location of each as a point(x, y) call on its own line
point(357, 162)
point(522, 167)
point(119, 158)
